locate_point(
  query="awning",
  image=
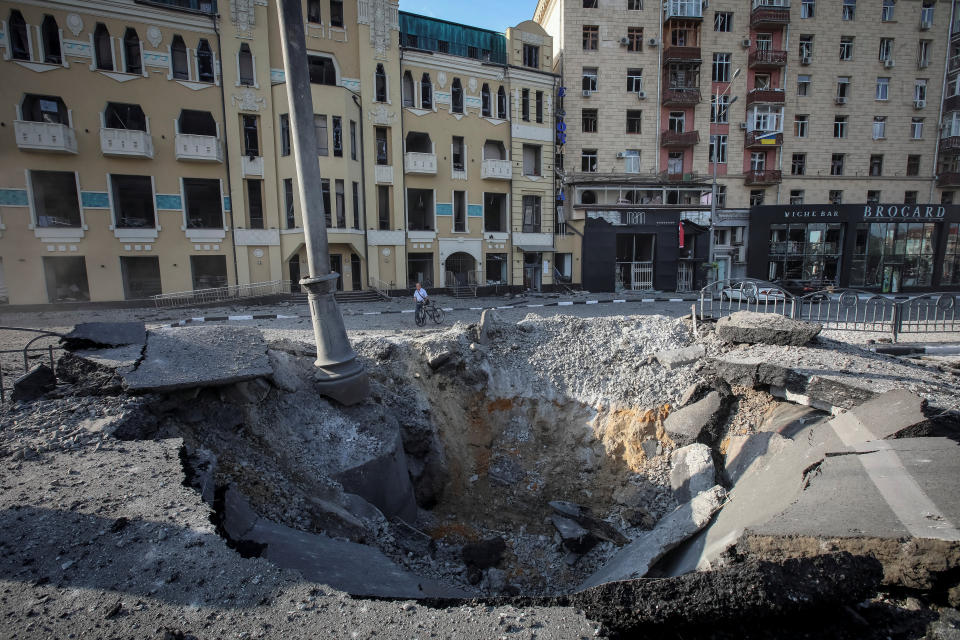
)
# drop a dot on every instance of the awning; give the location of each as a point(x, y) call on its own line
point(533, 248)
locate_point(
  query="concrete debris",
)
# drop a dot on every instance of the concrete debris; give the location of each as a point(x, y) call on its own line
point(100, 335)
point(742, 451)
point(693, 393)
point(573, 535)
point(484, 554)
point(34, 383)
point(693, 471)
point(753, 327)
point(286, 370)
point(583, 516)
point(687, 424)
point(489, 326)
point(437, 360)
point(297, 348)
point(247, 392)
point(674, 358)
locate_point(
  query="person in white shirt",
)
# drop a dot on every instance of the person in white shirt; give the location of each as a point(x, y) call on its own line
point(420, 295)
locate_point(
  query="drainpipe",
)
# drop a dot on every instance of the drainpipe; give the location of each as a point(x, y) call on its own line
point(226, 149)
point(943, 94)
point(657, 133)
point(363, 185)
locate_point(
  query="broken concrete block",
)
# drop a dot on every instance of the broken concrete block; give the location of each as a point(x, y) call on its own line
point(99, 335)
point(743, 451)
point(438, 360)
point(766, 328)
point(674, 358)
point(635, 559)
point(34, 383)
point(488, 327)
point(574, 537)
point(284, 370)
point(692, 393)
point(651, 447)
point(584, 517)
point(692, 471)
point(638, 517)
point(888, 414)
point(246, 392)
point(685, 425)
point(484, 554)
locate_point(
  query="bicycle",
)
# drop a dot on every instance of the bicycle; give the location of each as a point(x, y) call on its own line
point(426, 309)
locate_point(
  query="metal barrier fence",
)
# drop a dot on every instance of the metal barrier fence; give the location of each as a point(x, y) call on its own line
point(844, 309)
point(12, 359)
point(221, 294)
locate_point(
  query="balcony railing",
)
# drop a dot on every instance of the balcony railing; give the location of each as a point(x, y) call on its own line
point(768, 176)
point(769, 15)
point(950, 104)
point(948, 179)
point(766, 58)
point(425, 163)
point(762, 139)
point(126, 143)
point(252, 166)
point(774, 96)
point(679, 138)
point(948, 143)
point(194, 148)
point(383, 174)
point(681, 96)
point(681, 54)
point(683, 9)
point(496, 170)
point(45, 136)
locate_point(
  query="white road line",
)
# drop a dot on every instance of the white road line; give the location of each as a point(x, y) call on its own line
point(371, 313)
point(564, 303)
point(198, 319)
point(280, 317)
point(407, 310)
point(447, 308)
point(534, 305)
point(618, 301)
point(648, 299)
point(507, 307)
point(592, 301)
point(239, 317)
point(676, 299)
point(476, 308)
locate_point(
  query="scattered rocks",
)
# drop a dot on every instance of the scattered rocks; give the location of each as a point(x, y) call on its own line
point(484, 554)
point(34, 383)
point(753, 327)
point(573, 535)
point(489, 326)
point(674, 358)
point(687, 424)
point(582, 516)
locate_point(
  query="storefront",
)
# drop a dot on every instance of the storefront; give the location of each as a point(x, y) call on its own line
point(642, 250)
point(883, 248)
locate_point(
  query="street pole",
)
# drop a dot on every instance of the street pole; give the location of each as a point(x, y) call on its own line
point(339, 374)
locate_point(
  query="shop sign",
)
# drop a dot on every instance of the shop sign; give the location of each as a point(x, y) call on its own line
point(899, 212)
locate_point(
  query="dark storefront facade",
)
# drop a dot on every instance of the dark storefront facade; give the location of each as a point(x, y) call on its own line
point(639, 250)
point(882, 248)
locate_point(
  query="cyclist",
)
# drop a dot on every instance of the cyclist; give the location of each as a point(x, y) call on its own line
point(420, 295)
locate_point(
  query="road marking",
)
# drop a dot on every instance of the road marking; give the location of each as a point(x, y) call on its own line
point(618, 301)
point(407, 310)
point(592, 301)
point(239, 317)
point(648, 299)
point(506, 307)
point(447, 308)
point(675, 299)
point(371, 313)
point(564, 303)
point(534, 305)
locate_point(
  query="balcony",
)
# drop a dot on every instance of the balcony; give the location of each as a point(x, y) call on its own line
point(252, 166)
point(194, 148)
point(683, 9)
point(383, 174)
point(950, 104)
point(762, 139)
point(45, 136)
point(766, 59)
point(679, 138)
point(766, 96)
point(948, 179)
point(422, 163)
point(770, 13)
point(950, 143)
point(681, 54)
point(496, 170)
point(126, 143)
point(768, 176)
point(681, 96)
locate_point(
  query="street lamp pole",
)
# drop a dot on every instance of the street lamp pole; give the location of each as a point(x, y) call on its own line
point(716, 158)
point(339, 374)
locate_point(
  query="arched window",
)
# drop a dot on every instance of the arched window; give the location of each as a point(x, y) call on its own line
point(246, 66)
point(118, 115)
point(501, 104)
point(426, 92)
point(588, 197)
point(407, 89)
point(102, 48)
point(485, 106)
point(51, 40)
point(178, 51)
point(131, 51)
point(380, 84)
point(456, 96)
point(19, 45)
point(204, 61)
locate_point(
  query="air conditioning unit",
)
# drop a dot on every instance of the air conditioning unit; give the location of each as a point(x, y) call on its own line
point(745, 43)
point(586, 93)
point(621, 154)
point(624, 42)
point(804, 60)
point(653, 42)
point(888, 64)
point(642, 95)
point(919, 104)
point(743, 126)
point(840, 100)
point(925, 25)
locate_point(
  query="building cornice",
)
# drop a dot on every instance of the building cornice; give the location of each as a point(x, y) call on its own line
point(130, 10)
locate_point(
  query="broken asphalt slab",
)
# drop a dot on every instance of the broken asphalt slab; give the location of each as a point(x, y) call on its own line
point(686, 425)
point(753, 327)
point(674, 358)
point(187, 357)
point(100, 335)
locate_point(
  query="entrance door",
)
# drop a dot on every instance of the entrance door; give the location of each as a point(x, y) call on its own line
point(723, 269)
point(295, 274)
point(684, 277)
point(461, 270)
point(532, 271)
point(336, 265)
point(355, 272)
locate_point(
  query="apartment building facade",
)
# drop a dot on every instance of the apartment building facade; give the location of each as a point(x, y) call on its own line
point(802, 102)
point(147, 150)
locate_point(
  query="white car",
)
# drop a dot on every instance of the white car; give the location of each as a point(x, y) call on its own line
point(753, 292)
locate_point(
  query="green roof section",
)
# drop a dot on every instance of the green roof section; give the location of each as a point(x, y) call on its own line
point(432, 34)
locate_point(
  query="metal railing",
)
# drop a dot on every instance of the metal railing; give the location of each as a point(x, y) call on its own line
point(382, 288)
point(842, 309)
point(221, 294)
point(11, 359)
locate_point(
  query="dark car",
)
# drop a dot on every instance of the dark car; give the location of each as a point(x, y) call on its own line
point(801, 288)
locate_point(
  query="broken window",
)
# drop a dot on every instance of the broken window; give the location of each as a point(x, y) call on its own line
point(380, 84)
point(419, 142)
point(336, 13)
point(118, 115)
point(496, 265)
point(341, 205)
point(55, 199)
point(131, 51)
point(204, 61)
point(197, 123)
point(382, 149)
point(178, 59)
point(325, 194)
point(313, 11)
point(494, 150)
point(426, 92)
point(141, 277)
point(420, 209)
point(501, 104)
point(356, 205)
point(51, 40)
point(337, 136)
point(420, 269)
point(456, 96)
point(458, 153)
point(202, 203)
point(208, 272)
point(102, 49)
point(247, 77)
point(531, 214)
point(322, 70)
point(255, 204)
point(251, 137)
point(66, 279)
point(531, 160)
point(132, 201)
point(288, 203)
point(407, 89)
point(19, 44)
point(460, 211)
point(383, 208)
point(320, 129)
point(495, 212)
point(37, 108)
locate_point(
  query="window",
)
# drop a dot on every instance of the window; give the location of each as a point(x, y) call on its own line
point(723, 21)
point(591, 4)
point(531, 214)
point(456, 96)
point(634, 80)
point(459, 211)
point(525, 104)
point(634, 5)
point(886, 49)
point(591, 37)
point(406, 89)
point(717, 151)
point(758, 161)
point(325, 194)
point(458, 153)
point(589, 78)
point(843, 88)
point(886, 12)
point(803, 85)
point(798, 166)
point(383, 207)
point(204, 61)
point(676, 121)
point(951, 257)
point(588, 160)
point(840, 126)
point(807, 9)
point(288, 203)
point(913, 165)
point(320, 129)
point(876, 165)
point(55, 198)
point(720, 111)
point(247, 77)
point(203, 204)
point(721, 67)
point(796, 196)
point(909, 197)
point(353, 140)
point(251, 135)
point(284, 134)
point(873, 197)
point(495, 212)
point(756, 197)
point(322, 70)
point(426, 92)
point(926, 14)
point(883, 88)
point(103, 50)
point(381, 145)
point(486, 103)
point(631, 161)
point(634, 38)
point(846, 47)
point(923, 53)
point(531, 160)
point(920, 89)
point(634, 120)
point(916, 128)
point(531, 56)
point(849, 11)
point(337, 136)
point(879, 127)
point(722, 196)
point(443, 46)
point(801, 125)
point(313, 11)
point(588, 119)
point(50, 33)
point(539, 106)
point(806, 46)
point(836, 164)
point(119, 115)
point(835, 197)
point(501, 103)
point(336, 13)
point(947, 198)
point(254, 204)
point(380, 84)
point(356, 205)
point(19, 43)
point(198, 123)
point(339, 188)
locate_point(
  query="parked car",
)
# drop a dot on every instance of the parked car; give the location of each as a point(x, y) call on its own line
point(801, 288)
point(753, 292)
